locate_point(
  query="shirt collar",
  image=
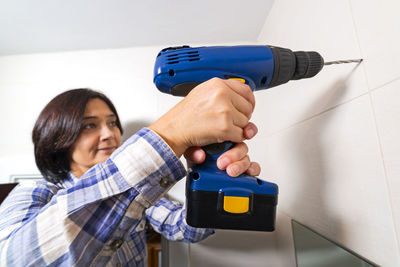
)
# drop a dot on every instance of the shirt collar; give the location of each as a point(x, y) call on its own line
point(70, 180)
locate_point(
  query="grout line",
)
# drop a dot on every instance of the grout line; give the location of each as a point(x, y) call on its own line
point(383, 85)
point(316, 115)
point(336, 106)
point(377, 130)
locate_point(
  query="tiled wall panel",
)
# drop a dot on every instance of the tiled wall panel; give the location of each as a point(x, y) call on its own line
point(377, 27)
point(331, 178)
point(387, 112)
point(331, 142)
point(310, 25)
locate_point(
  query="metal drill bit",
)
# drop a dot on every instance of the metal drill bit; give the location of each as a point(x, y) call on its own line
point(343, 61)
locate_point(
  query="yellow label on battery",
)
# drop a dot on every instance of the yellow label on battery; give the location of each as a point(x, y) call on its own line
point(236, 204)
point(238, 79)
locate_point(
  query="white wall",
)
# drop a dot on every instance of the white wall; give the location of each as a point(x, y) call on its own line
point(331, 142)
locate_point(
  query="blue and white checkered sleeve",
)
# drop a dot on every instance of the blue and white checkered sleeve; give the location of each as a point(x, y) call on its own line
point(168, 218)
point(163, 169)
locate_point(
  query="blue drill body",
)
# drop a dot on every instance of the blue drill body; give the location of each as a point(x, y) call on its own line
point(188, 66)
point(214, 199)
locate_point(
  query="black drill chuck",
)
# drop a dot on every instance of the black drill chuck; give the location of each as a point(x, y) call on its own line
point(289, 65)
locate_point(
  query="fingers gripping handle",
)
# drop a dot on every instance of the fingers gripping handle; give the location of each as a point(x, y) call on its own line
point(213, 151)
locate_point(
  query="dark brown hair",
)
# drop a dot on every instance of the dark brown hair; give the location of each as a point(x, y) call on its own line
point(57, 128)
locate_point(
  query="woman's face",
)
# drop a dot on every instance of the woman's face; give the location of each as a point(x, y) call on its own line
point(99, 137)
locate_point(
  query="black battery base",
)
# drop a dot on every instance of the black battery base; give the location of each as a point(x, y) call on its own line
point(205, 210)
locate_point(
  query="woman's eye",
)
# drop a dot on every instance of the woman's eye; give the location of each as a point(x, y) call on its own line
point(113, 123)
point(89, 126)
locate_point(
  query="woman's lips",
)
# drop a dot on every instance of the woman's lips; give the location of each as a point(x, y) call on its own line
point(107, 149)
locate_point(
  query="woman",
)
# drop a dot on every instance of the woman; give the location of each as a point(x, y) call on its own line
point(93, 206)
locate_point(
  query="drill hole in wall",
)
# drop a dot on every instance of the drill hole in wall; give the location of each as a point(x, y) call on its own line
point(171, 73)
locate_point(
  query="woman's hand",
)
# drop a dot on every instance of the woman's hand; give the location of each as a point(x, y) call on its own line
point(235, 161)
point(215, 111)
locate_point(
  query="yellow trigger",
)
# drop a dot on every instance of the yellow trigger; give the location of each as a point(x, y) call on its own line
point(238, 79)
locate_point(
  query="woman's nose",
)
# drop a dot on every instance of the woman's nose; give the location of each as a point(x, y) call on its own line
point(106, 132)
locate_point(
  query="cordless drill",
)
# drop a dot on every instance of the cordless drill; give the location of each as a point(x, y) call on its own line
point(213, 198)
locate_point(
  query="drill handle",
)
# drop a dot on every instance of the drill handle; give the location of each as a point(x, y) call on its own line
point(213, 151)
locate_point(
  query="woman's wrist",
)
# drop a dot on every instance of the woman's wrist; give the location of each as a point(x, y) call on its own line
point(172, 142)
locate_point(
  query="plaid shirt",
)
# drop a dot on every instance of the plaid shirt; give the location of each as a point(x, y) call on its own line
point(98, 219)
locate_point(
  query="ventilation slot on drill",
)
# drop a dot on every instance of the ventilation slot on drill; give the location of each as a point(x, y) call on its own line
point(183, 56)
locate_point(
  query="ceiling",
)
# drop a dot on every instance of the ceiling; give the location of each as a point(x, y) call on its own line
point(39, 26)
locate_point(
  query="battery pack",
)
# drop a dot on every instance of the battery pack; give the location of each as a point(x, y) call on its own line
point(222, 202)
